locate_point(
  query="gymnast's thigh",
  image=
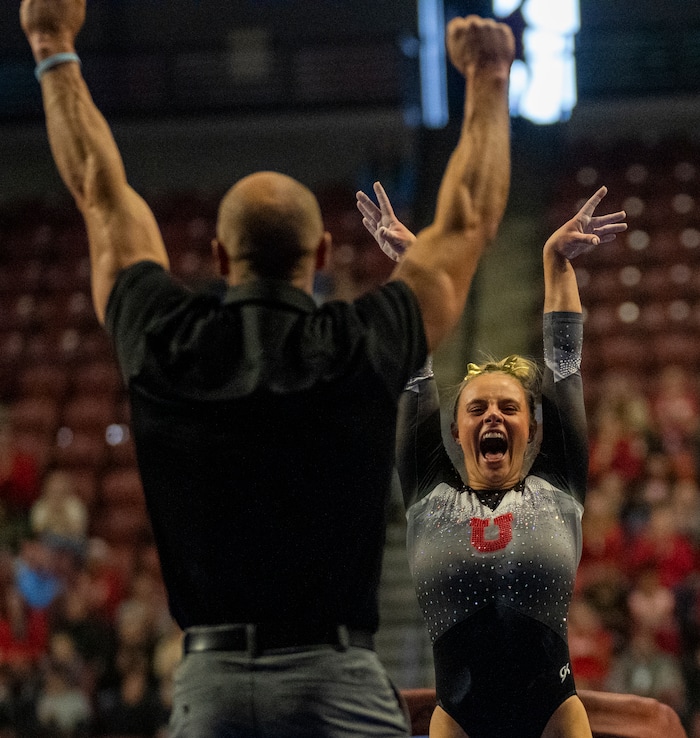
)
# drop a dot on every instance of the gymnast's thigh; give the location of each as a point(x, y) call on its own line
point(443, 726)
point(570, 720)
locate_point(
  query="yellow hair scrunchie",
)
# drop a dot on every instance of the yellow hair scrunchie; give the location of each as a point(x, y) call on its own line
point(473, 370)
point(514, 365)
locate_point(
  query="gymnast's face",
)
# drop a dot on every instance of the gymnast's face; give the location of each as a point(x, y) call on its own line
point(493, 429)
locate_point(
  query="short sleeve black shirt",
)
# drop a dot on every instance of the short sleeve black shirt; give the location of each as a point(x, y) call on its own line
point(264, 427)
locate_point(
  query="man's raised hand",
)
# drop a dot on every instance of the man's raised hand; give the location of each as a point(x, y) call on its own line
point(475, 43)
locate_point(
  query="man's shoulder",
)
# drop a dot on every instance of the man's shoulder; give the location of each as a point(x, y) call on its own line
point(141, 270)
point(140, 278)
point(394, 296)
point(394, 287)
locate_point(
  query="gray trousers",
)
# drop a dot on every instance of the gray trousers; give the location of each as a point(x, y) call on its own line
point(317, 692)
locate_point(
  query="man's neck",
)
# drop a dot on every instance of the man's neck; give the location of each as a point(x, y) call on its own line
point(240, 273)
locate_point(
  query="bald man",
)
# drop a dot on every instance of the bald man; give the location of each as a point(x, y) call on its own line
point(264, 425)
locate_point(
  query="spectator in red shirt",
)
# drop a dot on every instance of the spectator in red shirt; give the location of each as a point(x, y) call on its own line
point(591, 645)
point(24, 631)
point(676, 409)
point(19, 484)
point(604, 537)
point(661, 545)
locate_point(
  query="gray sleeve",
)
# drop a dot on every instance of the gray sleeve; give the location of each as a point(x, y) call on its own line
point(421, 459)
point(563, 341)
point(563, 455)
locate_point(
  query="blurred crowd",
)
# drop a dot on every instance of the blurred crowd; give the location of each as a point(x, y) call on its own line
point(87, 646)
point(634, 625)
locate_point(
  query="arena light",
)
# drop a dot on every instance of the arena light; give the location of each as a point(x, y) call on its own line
point(433, 74)
point(543, 83)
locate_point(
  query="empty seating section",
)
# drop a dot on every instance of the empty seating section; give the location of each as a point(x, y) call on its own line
point(58, 373)
point(641, 293)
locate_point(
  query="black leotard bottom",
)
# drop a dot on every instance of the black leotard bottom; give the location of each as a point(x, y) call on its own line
point(511, 689)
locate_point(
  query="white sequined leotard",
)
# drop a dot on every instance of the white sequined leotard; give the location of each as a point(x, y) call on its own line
point(494, 573)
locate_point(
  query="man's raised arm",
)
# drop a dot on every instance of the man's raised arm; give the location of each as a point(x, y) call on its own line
point(472, 197)
point(121, 227)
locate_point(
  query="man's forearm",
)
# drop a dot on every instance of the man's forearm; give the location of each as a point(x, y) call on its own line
point(475, 186)
point(83, 148)
point(85, 153)
point(121, 227)
point(473, 193)
point(474, 190)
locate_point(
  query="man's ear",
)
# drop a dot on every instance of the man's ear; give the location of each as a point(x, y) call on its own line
point(323, 251)
point(221, 259)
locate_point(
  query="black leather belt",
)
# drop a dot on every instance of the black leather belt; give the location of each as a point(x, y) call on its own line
point(255, 639)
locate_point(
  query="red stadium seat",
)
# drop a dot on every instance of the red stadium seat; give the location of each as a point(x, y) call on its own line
point(121, 486)
point(122, 525)
point(36, 414)
point(43, 380)
point(98, 378)
point(79, 448)
point(93, 412)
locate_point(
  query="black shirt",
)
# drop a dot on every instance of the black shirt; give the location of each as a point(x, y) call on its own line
point(264, 427)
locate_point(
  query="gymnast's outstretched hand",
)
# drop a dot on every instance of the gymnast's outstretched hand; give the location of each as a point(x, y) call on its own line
point(586, 230)
point(388, 231)
point(580, 234)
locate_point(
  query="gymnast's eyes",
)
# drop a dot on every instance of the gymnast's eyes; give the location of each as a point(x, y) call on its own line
point(476, 408)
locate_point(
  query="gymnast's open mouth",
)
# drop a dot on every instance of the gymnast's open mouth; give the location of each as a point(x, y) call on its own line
point(493, 445)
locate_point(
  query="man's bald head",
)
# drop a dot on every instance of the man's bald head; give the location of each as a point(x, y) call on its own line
point(271, 222)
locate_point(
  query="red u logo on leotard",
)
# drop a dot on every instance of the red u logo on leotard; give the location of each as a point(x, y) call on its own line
point(504, 523)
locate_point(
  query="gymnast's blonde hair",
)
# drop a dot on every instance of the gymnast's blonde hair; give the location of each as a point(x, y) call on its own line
point(525, 371)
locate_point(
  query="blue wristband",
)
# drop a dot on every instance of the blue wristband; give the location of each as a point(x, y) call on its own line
point(53, 61)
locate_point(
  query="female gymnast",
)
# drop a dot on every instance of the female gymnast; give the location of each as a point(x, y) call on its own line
point(494, 546)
